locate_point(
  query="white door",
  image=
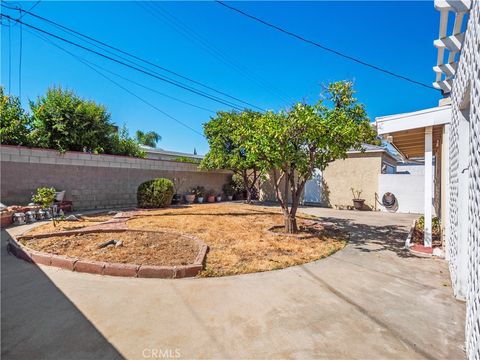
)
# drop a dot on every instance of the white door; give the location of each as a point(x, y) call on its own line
point(313, 189)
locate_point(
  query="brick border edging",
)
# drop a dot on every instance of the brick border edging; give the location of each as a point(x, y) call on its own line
point(107, 268)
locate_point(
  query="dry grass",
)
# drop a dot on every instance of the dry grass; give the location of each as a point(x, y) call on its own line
point(141, 248)
point(238, 236)
point(86, 220)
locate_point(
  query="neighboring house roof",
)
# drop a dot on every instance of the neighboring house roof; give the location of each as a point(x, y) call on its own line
point(171, 153)
point(369, 148)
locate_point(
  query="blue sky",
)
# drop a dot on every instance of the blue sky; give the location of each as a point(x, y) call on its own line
point(251, 62)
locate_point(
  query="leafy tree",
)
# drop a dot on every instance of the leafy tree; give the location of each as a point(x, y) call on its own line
point(64, 121)
point(226, 134)
point(150, 138)
point(293, 144)
point(14, 122)
point(120, 143)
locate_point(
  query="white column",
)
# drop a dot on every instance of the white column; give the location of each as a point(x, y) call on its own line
point(427, 240)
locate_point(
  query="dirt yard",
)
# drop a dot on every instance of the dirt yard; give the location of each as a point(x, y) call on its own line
point(141, 248)
point(238, 236)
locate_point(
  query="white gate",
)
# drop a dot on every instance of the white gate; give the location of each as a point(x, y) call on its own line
point(313, 189)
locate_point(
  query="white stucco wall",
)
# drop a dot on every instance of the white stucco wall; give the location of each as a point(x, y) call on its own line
point(407, 188)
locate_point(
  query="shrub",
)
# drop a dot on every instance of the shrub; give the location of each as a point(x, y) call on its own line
point(44, 197)
point(155, 193)
point(435, 223)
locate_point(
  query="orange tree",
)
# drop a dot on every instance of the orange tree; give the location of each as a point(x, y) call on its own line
point(292, 144)
point(227, 134)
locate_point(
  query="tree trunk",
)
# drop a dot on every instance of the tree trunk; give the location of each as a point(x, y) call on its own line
point(249, 196)
point(290, 224)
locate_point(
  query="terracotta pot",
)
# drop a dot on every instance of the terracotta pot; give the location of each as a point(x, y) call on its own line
point(190, 198)
point(211, 198)
point(358, 204)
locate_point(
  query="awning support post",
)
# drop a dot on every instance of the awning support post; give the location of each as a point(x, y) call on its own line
point(427, 231)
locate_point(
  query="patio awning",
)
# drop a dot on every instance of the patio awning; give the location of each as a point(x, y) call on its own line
point(406, 132)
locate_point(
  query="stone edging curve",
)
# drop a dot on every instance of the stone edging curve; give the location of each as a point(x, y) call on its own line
point(117, 224)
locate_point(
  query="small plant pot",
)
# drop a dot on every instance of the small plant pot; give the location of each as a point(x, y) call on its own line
point(190, 198)
point(211, 198)
point(358, 204)
point(230, 197)
point(219, 198)
point(177, 199)
point(200, 200)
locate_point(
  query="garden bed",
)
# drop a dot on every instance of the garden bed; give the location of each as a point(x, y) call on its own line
point(138, 247)
point(239, 238)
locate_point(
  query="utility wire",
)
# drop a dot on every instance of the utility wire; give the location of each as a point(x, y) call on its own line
point(311, 42)
point(133, 56)
point(193, 90)
point(163, 15)
point(87, 63)
point(9, 57)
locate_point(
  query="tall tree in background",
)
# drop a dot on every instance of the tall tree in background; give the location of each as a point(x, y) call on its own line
point(226, 134)
point(293, 144)
point(14, 122)
point(64, 121)
point(150, 138)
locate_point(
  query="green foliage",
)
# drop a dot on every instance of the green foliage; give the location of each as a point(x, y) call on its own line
point(45, 197)
point(14, 122)
point(226, 137)
point(228, 189)
point(435, 223)
point(64, 121)
point(150, 138)
point(292, 144)
point(186, 159)
point(155, 193)
point(237, 184)
point(199, 191)
point(122, 144)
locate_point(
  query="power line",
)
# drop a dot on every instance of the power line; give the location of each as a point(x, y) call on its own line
point(87, 63)
point(134, 56)
point(163, 15)
point(9, 57)
point(185, 87)
point(311, 42)
point(20, 64)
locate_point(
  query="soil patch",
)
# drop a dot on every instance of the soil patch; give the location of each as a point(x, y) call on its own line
point(238, 236)
point(63, 225)
point(140, 248)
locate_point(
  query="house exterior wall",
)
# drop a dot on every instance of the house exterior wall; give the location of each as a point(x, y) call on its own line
point(359, 171)
point(464, 249)
point(91, 181)
point(409, 189)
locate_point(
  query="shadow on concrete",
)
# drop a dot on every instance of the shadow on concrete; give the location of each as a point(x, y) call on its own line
point(39, 321)
point(373, 238)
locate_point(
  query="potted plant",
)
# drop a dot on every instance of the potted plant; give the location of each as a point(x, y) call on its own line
point(177, 185)
point(200, 193)
point(45, 197)
point(358, 203)
point(228, 190)
point(190, 196)
point(211, 196)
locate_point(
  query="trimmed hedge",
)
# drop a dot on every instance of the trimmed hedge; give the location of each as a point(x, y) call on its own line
point(155, 193)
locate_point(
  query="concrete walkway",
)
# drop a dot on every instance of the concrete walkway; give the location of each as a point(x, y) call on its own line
point(369, 301)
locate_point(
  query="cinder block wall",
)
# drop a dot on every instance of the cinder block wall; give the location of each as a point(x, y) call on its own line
point(91, 181)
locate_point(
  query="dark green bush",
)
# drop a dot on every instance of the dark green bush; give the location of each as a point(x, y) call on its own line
point(155, 193)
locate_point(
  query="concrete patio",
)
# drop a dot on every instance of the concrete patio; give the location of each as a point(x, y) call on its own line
point(371, 300)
